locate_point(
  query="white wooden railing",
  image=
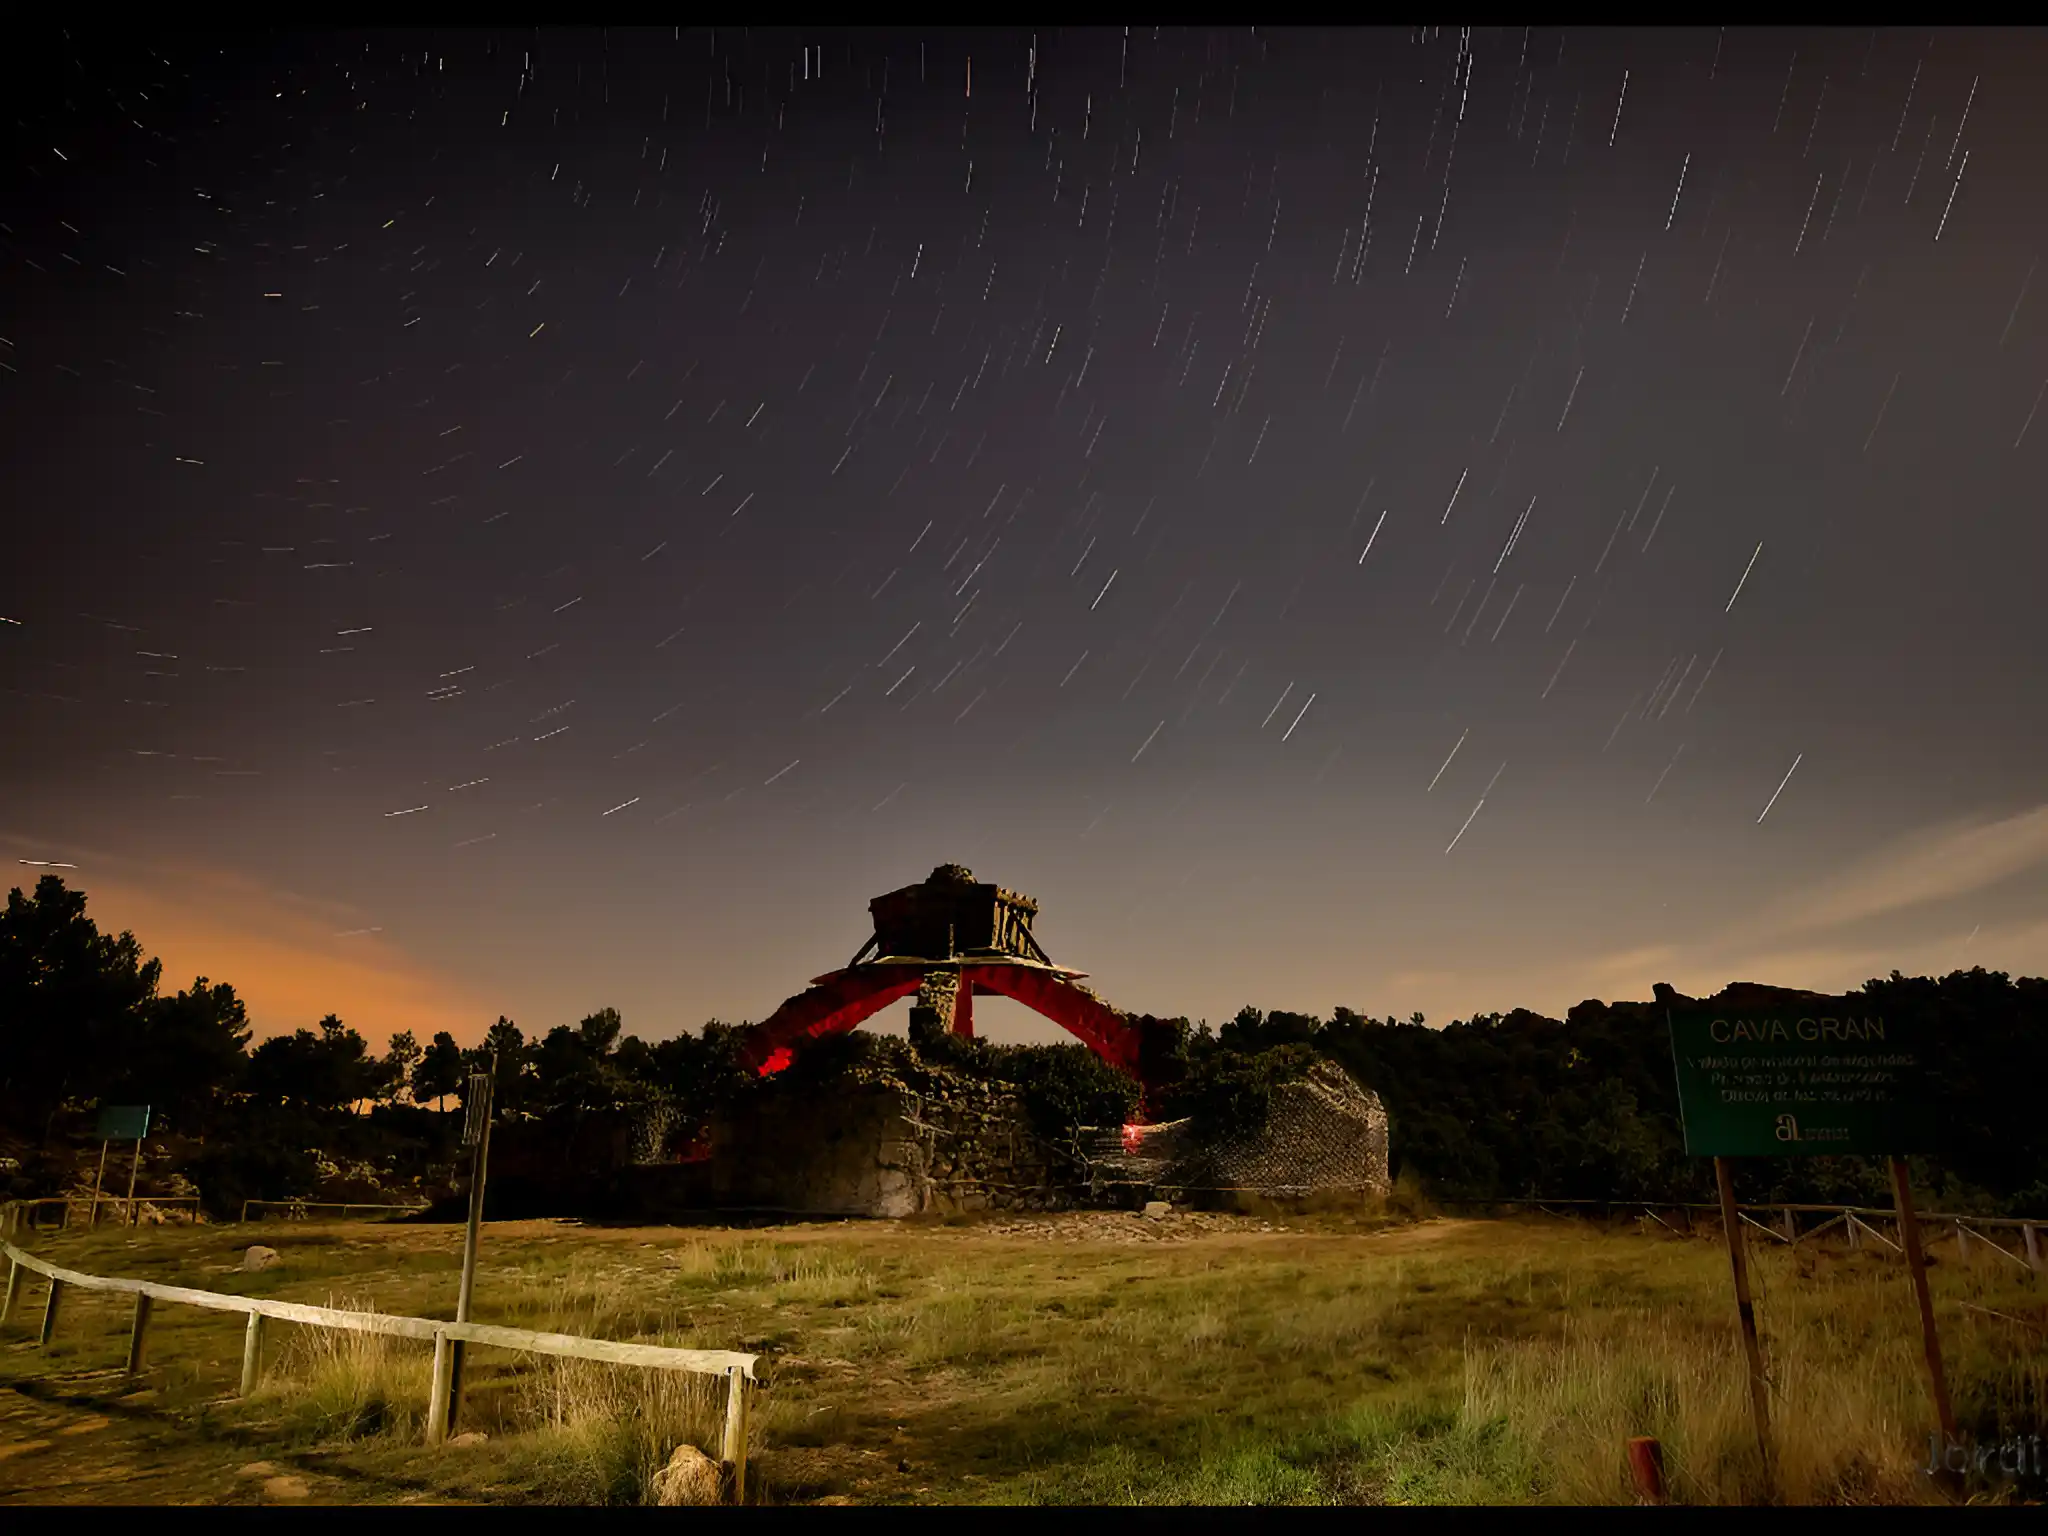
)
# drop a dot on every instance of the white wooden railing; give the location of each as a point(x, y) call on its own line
point(737, 1369)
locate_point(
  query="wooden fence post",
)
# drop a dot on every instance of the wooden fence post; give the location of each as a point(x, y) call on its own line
point(1855, 1236)
point(736, 1431)
point(438, 1394)
point(252, 1353)
point(136, 1336)
point(14, 1285)
point(1646, 1467)
point(2033, 1245)
point(1790, 1224)
point(1962, 1243)
point(50, 1311)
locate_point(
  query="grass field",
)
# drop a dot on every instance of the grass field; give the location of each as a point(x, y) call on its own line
point(1100, 1360)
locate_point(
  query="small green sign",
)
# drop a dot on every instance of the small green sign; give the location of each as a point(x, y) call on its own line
point(1823, 1077)
point(123, 1122)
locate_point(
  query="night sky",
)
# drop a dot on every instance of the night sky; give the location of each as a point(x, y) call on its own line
point(522, 522)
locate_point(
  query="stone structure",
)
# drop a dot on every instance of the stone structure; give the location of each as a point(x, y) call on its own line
point(1323, 1134)
point(949, 939)
point(886, 1142)
point(898, 1134)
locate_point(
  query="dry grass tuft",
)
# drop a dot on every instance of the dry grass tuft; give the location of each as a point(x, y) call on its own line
point(334, 1385)
point(605, 1431)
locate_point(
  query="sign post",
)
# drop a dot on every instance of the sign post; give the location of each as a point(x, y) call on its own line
point(1814, 1077)
point(120, 1122)
point(1752, 1347)
point(476, 1134)
point(98, 1179)
point(1916, 1261)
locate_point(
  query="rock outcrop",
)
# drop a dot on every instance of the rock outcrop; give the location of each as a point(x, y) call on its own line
point(1322, 1134)
point(690, 1478)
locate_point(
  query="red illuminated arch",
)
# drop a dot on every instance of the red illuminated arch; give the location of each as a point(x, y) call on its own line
point(836, 1003)
point(984, 931)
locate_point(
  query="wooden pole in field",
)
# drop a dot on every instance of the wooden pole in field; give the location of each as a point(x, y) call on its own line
point(1916, 1262)
point(487, 1089)
point(14, 1273)
point(735, 1448)
point(50, 1311)
point(99, 1178)
point(252, 1353)
point(134, 1169)
point(1759, 1391)
point(437, 1394)
point(137, 1336)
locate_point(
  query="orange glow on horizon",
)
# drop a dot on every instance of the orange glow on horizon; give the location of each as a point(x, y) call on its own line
point(289, 961)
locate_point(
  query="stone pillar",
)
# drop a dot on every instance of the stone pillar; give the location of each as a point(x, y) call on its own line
point(937, 1007)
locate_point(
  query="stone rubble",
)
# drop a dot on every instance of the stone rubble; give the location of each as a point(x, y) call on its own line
point(1119, 1226)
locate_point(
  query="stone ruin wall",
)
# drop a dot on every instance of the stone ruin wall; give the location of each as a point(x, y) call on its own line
point(882, 1148)
point(878, 1146)
point(1323, 1134)
point(978, 1151)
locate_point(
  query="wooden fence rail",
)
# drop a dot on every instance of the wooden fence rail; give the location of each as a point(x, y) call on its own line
point(296, 1210)
point(737, 1369)
point(26, 1215)
point(1855, 1220)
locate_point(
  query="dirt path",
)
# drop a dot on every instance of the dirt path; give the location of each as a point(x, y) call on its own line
point(93, 1438)
point(81, 1440)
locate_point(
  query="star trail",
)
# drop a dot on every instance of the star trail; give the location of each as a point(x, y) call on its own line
point(510, 522)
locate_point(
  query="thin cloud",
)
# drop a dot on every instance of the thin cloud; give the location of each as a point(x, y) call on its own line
point(1655, 957)
point(1937, 865)
point(290, 958)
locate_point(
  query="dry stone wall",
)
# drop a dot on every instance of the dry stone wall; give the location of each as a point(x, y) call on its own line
point(882, 1146)
point(902, 1138)
point(1323, 1134)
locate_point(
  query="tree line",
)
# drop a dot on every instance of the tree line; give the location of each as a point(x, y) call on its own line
point(1502, 1106)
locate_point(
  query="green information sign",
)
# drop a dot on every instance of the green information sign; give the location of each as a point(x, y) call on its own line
point(123, 1122)
point(1825, 1077)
